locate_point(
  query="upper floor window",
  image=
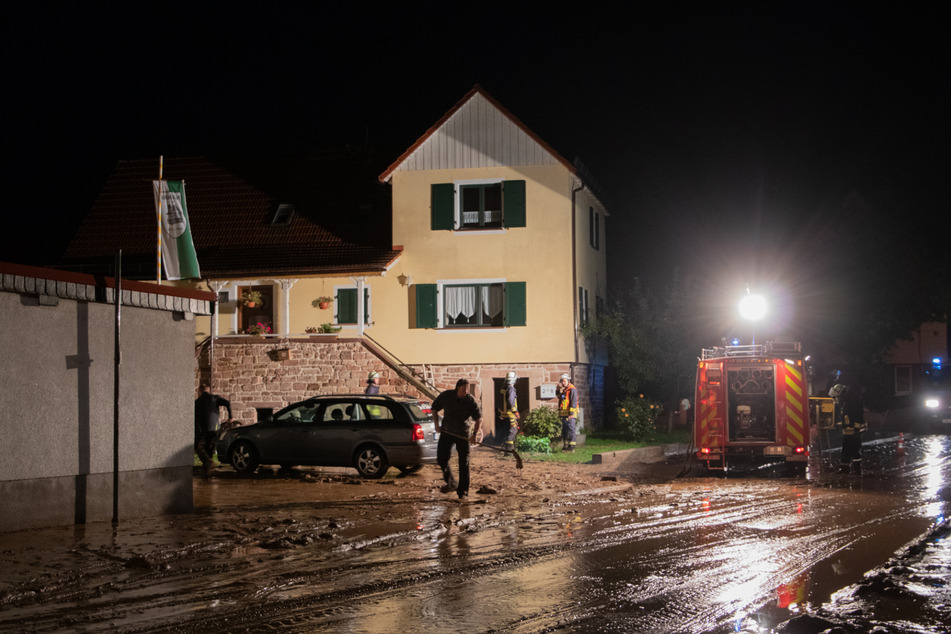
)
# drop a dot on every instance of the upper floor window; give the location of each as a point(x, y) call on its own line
point(481, 206)
point(594, 228)
point(477, 204)
point(582, 306)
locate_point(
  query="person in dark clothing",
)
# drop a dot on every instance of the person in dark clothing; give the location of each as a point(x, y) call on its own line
point(207, 417)
point(457, 407)
point(850, 412)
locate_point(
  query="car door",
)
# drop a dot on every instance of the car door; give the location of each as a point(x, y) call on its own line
point(280, 439)
point(383, 424)
point(328, 438)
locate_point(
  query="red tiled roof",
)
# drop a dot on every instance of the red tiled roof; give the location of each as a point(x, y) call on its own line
point(341, 225)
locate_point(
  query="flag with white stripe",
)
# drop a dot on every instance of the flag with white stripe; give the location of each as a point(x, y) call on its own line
point(178, 250)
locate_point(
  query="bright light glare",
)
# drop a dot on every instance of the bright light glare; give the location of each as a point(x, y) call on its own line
point(752, 307)
point(932, 403)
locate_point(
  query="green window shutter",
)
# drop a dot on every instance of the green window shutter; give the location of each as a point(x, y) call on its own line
point(513, 203)
point(515, 304)
point(347, 306)
point(443, 206)
point(425, 305)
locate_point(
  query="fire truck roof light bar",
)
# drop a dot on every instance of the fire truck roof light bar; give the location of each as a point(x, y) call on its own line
point(777, 348)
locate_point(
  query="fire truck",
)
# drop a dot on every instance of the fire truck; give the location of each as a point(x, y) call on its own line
point(752, 405)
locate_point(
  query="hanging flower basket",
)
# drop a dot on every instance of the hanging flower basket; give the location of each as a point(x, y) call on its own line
point(251, 298)
point(322, 302)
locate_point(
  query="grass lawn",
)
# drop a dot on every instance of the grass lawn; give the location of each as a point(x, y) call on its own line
point(605, 442)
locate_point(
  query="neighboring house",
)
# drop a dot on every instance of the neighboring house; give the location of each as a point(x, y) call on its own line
point(919, 362)
point(485, 254)
point(61, 384)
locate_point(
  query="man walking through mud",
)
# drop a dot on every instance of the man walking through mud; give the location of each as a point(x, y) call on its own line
point(457, 407)
point(206, 424)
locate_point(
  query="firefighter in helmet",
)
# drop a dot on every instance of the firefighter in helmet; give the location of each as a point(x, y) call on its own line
point(567, 411)
point(850, 412)
point(373, 383)
point(508, 412)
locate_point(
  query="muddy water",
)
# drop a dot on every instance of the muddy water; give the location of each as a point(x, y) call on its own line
point(550, 552)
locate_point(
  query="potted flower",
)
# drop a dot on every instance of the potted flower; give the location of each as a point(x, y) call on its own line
point(251, 298)
point(260, 328)
point(322, 302)
point(311, 330)
point(328, 328)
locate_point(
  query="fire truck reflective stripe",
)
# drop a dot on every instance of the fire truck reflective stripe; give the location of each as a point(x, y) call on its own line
point(792, 400)
point(795, 408)
point(794, 382)
point(794, 432)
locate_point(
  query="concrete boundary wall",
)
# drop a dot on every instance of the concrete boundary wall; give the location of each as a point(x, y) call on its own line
point(57, 403)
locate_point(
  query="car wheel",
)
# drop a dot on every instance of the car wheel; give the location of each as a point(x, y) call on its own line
point(244, 457)
point(371, 462)
point(410, 468)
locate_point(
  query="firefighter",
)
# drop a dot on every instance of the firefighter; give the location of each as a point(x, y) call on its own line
point(373, 383)
point(508, 413)
point(567, 411)
point(850, 412)
point(373, 387)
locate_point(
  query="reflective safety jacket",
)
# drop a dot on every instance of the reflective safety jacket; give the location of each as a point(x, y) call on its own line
point(568, 402)
point(853, 414)
point(509, 410)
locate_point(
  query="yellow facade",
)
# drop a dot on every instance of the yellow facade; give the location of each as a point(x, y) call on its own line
point(538, 254)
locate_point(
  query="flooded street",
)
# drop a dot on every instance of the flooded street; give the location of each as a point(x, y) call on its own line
point(558, 548)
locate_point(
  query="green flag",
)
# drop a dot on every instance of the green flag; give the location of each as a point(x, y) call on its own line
point(178, 250)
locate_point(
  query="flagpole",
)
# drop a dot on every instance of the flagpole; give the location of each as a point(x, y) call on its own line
point(158, 252)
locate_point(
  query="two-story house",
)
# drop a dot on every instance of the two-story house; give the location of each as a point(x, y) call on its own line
point(478, 251)
point(504, 254)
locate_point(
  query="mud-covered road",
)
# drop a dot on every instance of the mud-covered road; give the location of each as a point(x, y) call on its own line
point(557, 548)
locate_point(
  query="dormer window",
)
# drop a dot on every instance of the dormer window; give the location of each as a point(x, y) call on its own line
point(283, 216)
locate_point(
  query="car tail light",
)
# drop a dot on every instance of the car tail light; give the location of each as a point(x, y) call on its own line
point(799, 450)
point(705, 450)
point(418, 433)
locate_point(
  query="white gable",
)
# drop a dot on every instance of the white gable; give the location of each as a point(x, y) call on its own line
point(478, 134)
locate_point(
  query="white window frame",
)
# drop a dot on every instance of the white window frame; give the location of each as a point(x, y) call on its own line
point(440, 305)
point(369, 305)
point(457, 206)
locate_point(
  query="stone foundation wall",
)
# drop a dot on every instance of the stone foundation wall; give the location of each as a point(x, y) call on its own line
point(253, 374)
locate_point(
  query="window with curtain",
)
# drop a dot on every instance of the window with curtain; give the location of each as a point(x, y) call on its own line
point(473, 305)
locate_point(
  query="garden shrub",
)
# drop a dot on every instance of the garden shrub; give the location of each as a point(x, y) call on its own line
point(542, 422)
point(636, 417)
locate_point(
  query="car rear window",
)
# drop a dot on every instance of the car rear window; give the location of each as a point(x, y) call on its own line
point(421, 411)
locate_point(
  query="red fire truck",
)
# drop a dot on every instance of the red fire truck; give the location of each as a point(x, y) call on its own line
point(752, 405)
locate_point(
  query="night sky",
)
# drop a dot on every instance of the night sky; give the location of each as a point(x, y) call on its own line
point(725, 134)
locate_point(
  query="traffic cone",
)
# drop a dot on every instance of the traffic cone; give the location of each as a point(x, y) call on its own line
point(900, 450)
